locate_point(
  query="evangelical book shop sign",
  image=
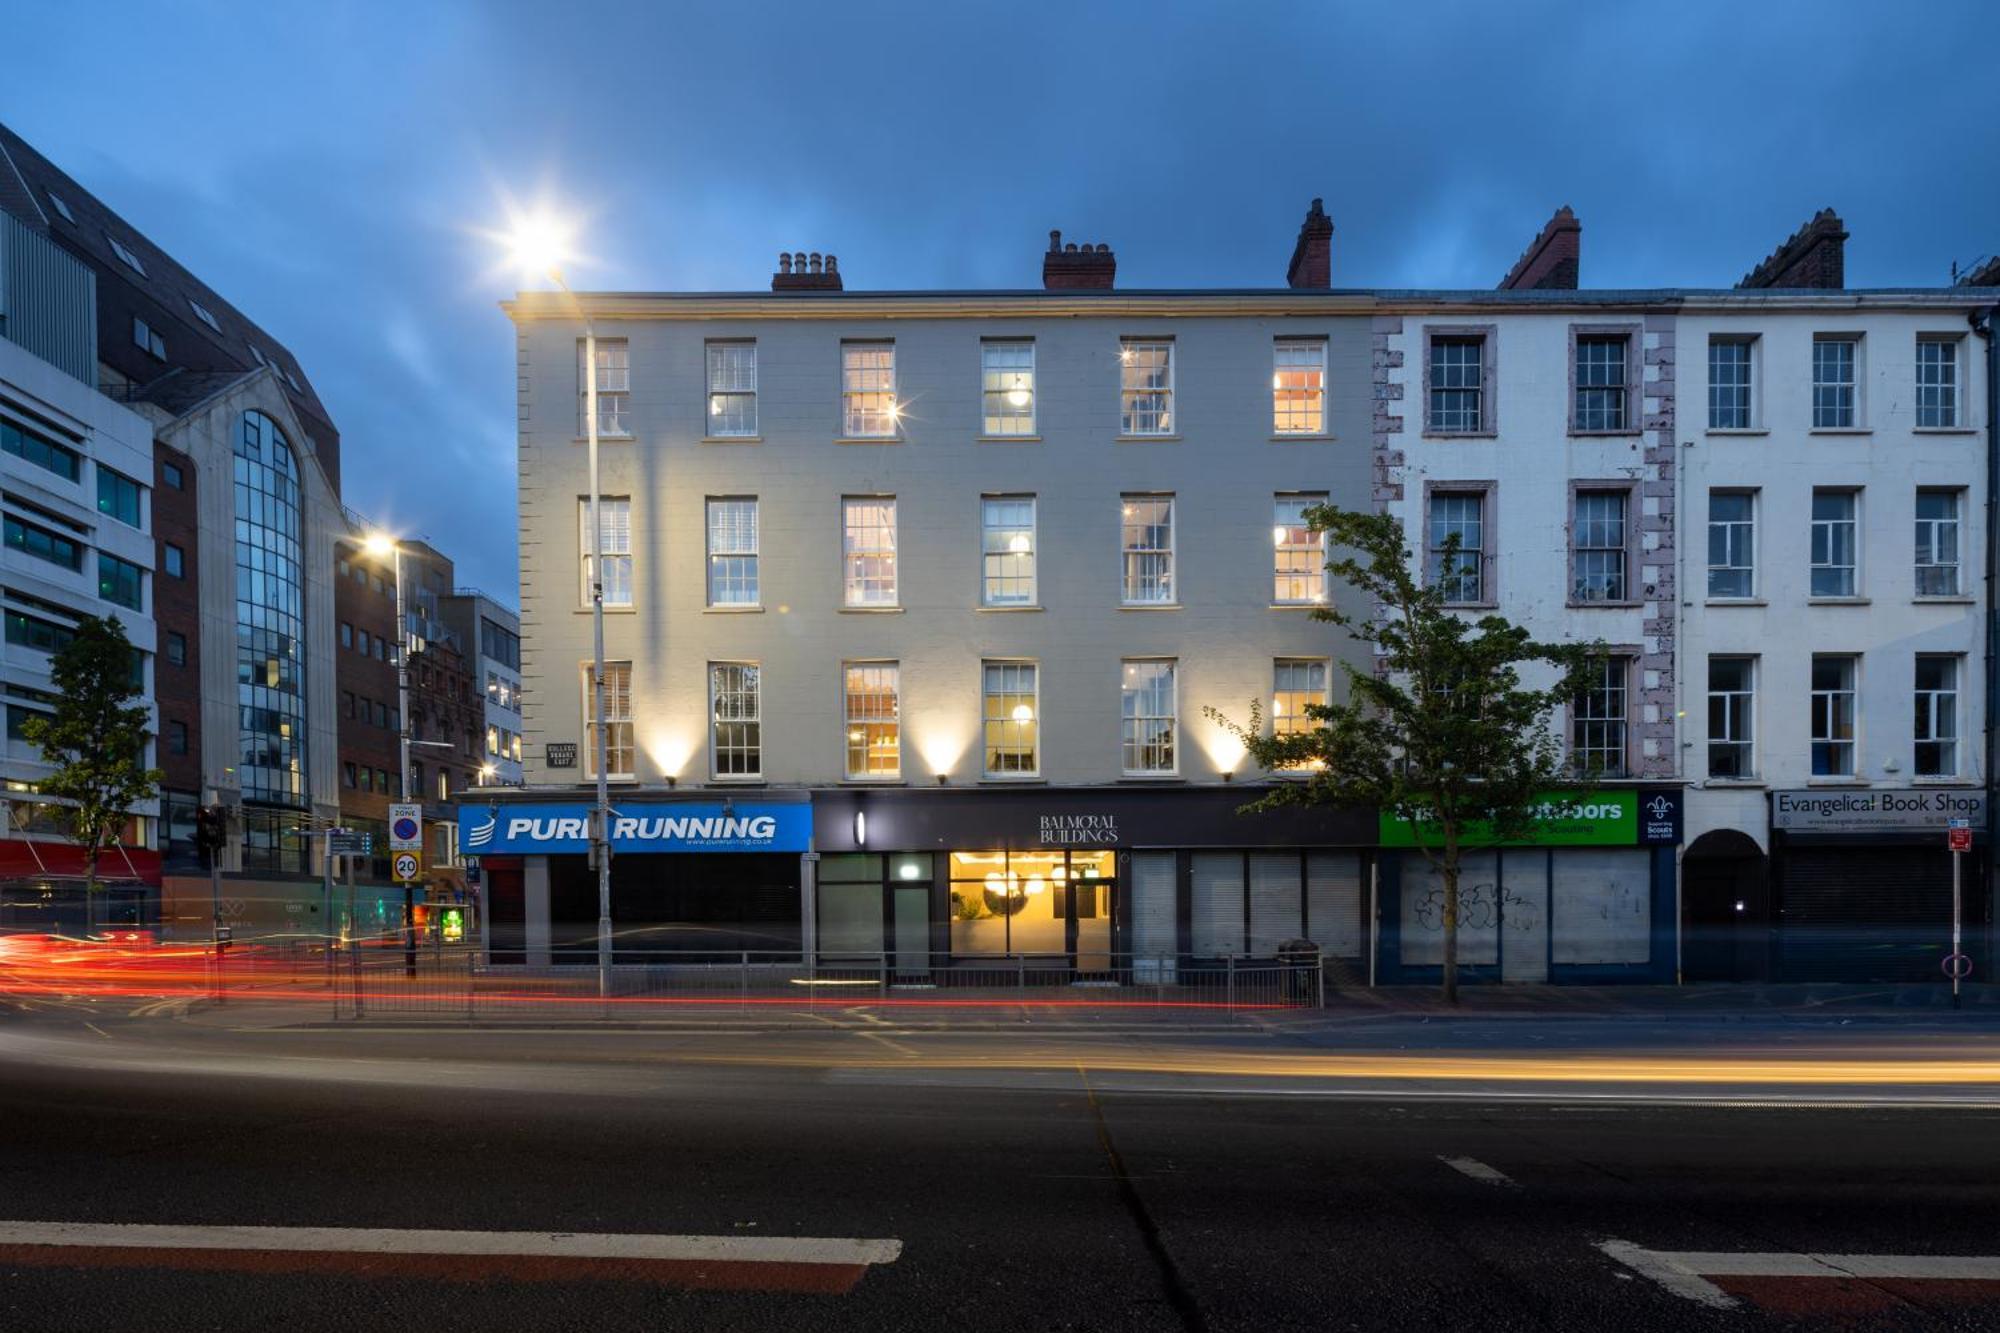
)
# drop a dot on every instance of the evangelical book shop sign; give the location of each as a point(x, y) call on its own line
point(1901, 810)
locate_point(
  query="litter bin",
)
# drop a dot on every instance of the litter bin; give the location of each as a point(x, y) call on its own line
point(1298, 969)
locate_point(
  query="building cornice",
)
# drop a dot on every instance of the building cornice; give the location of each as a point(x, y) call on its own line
point(1260, 303)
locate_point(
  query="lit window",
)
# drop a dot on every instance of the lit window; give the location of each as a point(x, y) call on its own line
point(1937, 716)
point(1731, 694)
point(1147, 538)
point(1937, 382)
point(131, 260)
point(1601, 380)
point(732, 389)
point(1832, 717)
point(1597, 722)
point(1834, 543)
point(1298, 386)
point(732, 552)
point(1298, 576)
point(736, 719)
point(146, 337)
point(619, 752)
point(1297, 683)
point(1833, 383)
point(1455, 549)
point(1145, 387)
point(1937, 543)
point(122, 582)
point(868, 550)
point(1732, 544)
point(1007, 544)
point(874, 731)
point(1729, 371)
point(1011, 711)
point(1007, 385)
point(868, 390)
point(1597, 547)
point(614, 387)
point(201, 313)
point(1146, 713)
point(614, 517)
point(62, 208)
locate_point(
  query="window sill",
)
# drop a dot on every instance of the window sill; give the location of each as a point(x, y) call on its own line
point(1604, 604)
point(732, 610)
point(898, 781)
point(1735, 601)
point(1151, 779)
point(867, 439)
point(1145, 439)
point(1943, 780)
point(1837, 782)
point(1006, 439)
point(737, 782)
point(1953, 599)
point(1625, 433)
point(1944, 430)
point(1472, 606)
point(1737, 430)
point(603, 438)
point(1838, 601)
point(1304, 436)
point(871, 610)
point(1160, 606)
point(1840, 430)
point(1735, 784)
point(732, 439)
point(1024, 780)
point(1007, 609)
point(1299, 606)
point(1460, 435)
point(609, 611)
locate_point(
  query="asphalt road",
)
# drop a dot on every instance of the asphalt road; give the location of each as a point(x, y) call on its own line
point(1024, 1195)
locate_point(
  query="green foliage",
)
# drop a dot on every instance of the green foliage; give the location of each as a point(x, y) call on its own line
point(96, 737)
point(1444, 731)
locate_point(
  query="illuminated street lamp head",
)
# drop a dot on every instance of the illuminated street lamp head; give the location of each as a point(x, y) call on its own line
point(379, 544)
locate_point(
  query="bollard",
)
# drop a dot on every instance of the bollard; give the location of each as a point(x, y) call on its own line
point(1232, 981)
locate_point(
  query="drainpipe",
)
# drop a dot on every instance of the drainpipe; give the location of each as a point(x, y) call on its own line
point(1982, 322)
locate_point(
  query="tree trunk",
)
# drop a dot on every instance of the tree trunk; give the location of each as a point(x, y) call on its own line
point(1450, 869)
point(89, 890)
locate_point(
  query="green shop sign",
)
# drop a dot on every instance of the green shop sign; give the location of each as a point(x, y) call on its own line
point(1563, 819)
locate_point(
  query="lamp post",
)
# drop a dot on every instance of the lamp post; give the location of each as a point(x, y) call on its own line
point(541, 247)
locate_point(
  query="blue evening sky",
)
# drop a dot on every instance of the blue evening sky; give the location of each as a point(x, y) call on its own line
point(329, 166)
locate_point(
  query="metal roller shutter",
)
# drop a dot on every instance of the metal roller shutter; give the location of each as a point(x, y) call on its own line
point(1218, 905)
point(1864, 913)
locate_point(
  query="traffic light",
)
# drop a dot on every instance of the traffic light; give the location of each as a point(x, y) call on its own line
point(451, 924)
point(211, 833)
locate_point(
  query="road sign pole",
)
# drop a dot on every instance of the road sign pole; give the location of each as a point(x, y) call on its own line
point(1957, 866)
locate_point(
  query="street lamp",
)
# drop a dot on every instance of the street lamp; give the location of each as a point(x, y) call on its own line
point(541, 244)
point(382, 546)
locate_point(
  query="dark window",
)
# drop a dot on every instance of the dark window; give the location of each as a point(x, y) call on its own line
point(1600, 382)
point(381, 714)
point(34, 632)
point(177, 648)
point(177, 738)
point(170, 473)
point(1597, 547)
point(148, 338)
point(176, 561)
point(119, 496)
point(348, 776)
point(59, 459)
point(346, 635)
point(502, 645)
point(1458, 373)
point(121, 581)
point(43, 544)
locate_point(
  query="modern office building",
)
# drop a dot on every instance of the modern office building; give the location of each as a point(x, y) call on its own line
point(962, 570)
point(489, 632)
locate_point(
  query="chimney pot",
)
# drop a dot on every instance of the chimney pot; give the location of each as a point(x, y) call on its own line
point(784, 261)
point(800, 271)
point(1070, 266)
point(1312, 254)
point(1055, 242)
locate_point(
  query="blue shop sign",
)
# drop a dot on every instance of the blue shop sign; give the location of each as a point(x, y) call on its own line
point(679, 826)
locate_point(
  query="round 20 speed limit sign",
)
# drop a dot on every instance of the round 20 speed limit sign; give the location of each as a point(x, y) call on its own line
point(406, 866)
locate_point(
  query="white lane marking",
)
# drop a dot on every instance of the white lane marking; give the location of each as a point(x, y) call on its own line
point(531, 1244)
point(1685, 1272)
point(1661, 1269)
point(1478, 1170)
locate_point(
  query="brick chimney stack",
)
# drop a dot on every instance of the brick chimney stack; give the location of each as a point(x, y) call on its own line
point(1312, 256)
point(1815, 257)
point(1552, 259)
point(802, 272)
point(1076, 268)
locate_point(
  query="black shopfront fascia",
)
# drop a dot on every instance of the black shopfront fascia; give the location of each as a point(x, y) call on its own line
point(1120, 819)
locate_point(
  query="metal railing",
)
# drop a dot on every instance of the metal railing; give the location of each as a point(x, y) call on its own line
point(375, 983)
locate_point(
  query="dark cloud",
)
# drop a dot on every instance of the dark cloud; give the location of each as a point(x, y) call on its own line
point(327, 167)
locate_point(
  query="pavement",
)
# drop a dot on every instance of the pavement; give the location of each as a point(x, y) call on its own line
point(1655, 1168)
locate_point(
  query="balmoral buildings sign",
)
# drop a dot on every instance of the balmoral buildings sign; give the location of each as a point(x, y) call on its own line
point(1876, 810)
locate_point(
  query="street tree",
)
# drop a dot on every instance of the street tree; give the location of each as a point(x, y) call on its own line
point(1439, 728)
point(96, 738)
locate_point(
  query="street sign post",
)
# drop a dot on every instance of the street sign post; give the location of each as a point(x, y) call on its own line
point(1958, 837)
point(407, 867)
point(406, 827)
point(347, 842)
